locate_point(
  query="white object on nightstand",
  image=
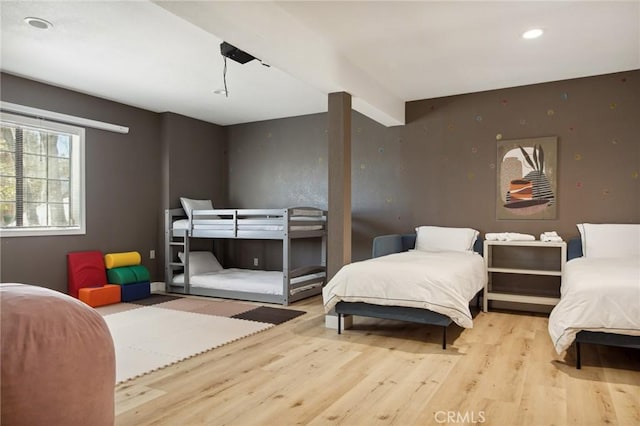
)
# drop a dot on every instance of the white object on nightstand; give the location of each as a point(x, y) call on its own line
point(521, 298)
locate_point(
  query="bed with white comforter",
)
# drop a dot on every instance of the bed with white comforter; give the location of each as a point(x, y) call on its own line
point(597, 294)
point(442, 282)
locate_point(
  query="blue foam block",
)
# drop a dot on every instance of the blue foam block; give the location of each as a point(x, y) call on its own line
point(136, 291)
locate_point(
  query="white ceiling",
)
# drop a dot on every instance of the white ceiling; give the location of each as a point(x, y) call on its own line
point(165, 56)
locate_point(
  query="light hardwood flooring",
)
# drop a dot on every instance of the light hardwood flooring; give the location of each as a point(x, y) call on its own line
point(504, 371)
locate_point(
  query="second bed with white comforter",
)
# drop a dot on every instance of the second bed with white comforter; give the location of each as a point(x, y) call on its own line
point(442, 282)
point(600, 294)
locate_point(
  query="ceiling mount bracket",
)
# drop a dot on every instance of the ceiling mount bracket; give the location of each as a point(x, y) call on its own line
point(240, 56)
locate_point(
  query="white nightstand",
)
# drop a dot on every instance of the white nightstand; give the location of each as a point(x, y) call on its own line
point(561, 247)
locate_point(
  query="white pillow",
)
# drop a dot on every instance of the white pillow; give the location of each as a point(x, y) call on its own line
point(610, 240)
point(436, 238)
point(201, 262)
point(189, 204)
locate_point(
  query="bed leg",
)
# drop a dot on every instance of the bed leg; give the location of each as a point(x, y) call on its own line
point(578, 361)
point(444, 337)
point(339, 322)
point(480, 293)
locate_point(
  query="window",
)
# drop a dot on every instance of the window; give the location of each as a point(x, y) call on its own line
point(41, 177)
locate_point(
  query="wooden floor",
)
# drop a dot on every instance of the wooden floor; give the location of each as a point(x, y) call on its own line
point(504, 371)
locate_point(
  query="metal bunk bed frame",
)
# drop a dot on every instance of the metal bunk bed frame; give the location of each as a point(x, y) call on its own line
point(257, 224)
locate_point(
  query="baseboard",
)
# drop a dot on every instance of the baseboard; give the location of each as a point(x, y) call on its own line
point(157, 286)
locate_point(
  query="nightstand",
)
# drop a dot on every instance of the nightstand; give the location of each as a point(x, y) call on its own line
point(533, 246)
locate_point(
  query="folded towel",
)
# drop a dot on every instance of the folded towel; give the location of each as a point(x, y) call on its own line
point(549, 237)
point(514, 236)
point(492, 237)
point(508, 236)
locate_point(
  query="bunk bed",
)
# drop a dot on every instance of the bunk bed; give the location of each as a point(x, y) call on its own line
point(600, 290)
point(184, 276)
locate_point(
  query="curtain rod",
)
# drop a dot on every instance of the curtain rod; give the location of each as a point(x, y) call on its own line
point(61, 118)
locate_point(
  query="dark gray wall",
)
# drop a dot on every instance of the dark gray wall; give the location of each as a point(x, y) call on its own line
point(197, 160)
point(595, 120)
point(122, 175)
point(130, 180)
point(194, 165)
point(277, 164)
point(439, 168)
point(435, 170)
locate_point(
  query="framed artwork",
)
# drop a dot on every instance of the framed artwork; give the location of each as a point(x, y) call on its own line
point(527, 186)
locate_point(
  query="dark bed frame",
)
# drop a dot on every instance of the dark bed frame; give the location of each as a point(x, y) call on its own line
point(389, 244)
point(574, 249)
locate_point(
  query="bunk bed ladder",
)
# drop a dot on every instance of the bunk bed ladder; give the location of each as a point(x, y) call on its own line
point(175, 241)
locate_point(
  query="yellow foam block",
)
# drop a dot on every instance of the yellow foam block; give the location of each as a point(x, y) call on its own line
point(116, 260)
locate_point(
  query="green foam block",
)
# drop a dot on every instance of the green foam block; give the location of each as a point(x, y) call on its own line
point(128, 275)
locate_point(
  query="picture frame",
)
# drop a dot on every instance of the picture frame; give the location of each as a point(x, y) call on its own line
point(526, 179)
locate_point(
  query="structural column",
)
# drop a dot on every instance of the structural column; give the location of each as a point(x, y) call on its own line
point(339, 226)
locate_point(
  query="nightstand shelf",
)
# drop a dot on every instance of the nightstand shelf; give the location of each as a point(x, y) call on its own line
point(553, 271)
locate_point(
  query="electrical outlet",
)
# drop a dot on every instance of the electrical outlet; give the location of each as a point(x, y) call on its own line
point(255, 261)
point(152, 254)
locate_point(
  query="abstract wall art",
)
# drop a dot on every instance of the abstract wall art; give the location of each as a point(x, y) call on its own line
point(527, 178)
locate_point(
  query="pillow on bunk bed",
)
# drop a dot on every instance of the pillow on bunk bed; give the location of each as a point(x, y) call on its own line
point(201, 262)
point(189, 204)
point(437, 238)
point(608, 240)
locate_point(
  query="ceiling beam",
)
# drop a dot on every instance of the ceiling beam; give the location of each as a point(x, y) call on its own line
point(268, 32)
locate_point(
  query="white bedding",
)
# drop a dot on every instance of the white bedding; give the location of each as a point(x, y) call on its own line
point(245, 280)
point(601, 294)
point(443, 282)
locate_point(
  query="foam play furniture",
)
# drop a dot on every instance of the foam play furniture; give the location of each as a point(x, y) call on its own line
point(124, 269)
point(128, 274)
point(87, 279)
point(114, 260)
point(57, 360)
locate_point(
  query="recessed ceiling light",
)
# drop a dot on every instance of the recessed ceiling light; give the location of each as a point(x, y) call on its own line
point(38, 23)
point(534, 33)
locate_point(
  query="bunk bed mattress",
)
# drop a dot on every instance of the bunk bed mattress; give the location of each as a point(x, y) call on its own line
point(443, 282)
point(247, 280)
point(597, 294)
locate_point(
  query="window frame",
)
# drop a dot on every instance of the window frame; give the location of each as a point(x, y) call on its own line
point(79, 151)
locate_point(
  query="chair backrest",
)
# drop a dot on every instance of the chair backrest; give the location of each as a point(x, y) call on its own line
point(574, 248)
point(85, 269)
